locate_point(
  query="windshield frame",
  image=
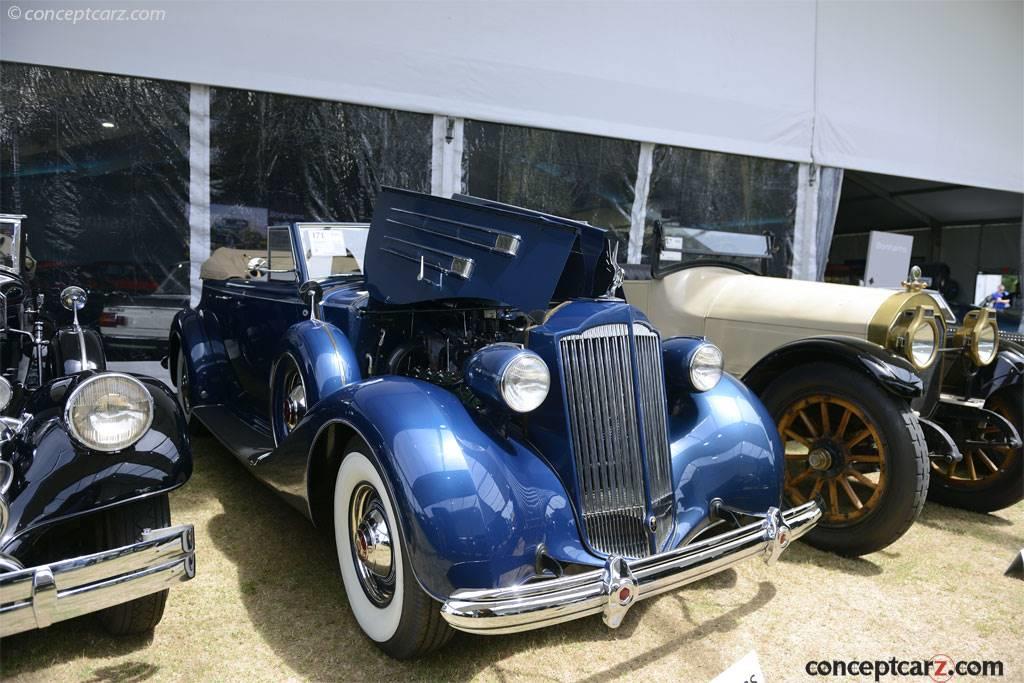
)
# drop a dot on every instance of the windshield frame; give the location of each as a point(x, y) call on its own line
point(300, 252)
point(17, 240)
point(661, 267)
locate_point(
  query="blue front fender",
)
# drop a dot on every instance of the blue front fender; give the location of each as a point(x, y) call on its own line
point(196, 333)
point(473, 507)
point(724, 445)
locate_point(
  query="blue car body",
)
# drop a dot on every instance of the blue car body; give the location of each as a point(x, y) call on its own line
point(484, 500)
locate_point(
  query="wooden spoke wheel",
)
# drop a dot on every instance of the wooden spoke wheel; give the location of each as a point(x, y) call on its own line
point(834, 454)
point(855, 448)
point(988, 478)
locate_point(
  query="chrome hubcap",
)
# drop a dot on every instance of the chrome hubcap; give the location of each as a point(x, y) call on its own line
point(372, 551)
point(294, 400)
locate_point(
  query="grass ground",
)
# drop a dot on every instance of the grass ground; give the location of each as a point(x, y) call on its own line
point(266, 605)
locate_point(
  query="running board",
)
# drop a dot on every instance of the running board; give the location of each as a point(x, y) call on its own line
point(247, 442)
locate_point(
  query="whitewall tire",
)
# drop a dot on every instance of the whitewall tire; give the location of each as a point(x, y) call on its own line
point(388, 603)
point(379, 622)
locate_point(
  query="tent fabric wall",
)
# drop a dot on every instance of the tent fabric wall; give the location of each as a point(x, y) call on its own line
point(922, 90)
point(734, 77)
point(930, 91)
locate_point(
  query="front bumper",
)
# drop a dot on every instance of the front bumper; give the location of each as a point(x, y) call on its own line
point(614, 589)
point(39, 596)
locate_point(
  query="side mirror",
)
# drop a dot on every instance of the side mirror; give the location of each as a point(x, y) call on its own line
point(314, 293)
point(73, 298)
point(257, 266)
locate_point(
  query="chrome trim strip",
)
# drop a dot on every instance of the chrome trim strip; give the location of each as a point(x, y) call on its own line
point(39, 596)
point(506, 243)
point(613, 589)
point(460, 266)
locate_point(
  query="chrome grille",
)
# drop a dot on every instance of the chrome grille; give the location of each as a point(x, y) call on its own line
point(1015, 337)
point(653, 408)
point(604, 420)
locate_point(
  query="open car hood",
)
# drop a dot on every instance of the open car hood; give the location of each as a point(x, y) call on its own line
point(422, 248)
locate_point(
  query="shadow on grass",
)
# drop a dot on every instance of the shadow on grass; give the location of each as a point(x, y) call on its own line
point(801, 553)
point(69, 640)
point(290, 585)
point(721, 624)
point(125, 672)
point(974, 524)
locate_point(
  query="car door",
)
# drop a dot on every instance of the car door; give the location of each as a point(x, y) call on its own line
point(269, 307)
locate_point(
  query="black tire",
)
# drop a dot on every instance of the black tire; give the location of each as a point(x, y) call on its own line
point(407, 624)
point(894, 437)
point(997, 490)
point(121, 526)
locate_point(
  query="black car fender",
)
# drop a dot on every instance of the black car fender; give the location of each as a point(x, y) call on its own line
point(1007, 370)
point(67, 348)
point(893, 373)
point(57, 479)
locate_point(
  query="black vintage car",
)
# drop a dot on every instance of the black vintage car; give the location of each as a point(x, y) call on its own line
point(87, 458)
point(982, 407)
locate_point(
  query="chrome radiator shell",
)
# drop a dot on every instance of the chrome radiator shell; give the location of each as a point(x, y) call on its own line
point(614, 384)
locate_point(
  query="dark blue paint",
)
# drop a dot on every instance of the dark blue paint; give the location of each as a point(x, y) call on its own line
point(57, 479)
point(525, 281)
point(475, 500)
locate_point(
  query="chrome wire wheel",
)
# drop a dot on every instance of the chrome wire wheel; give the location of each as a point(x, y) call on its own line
point(293, 398)
point(833, 452)
point(372, 551)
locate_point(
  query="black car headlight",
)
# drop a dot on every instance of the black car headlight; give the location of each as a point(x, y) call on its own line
point(109, 412)
point(508, 376)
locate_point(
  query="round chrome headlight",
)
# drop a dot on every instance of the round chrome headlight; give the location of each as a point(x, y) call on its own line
point(923, 345)
point(987, 343)
point(6, 393)
point(109, 412)
point(706, 367)
point(525, 382)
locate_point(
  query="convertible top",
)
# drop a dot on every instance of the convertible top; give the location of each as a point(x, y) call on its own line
point(423, 248)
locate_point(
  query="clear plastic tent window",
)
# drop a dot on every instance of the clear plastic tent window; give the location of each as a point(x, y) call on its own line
point(722, 194)
point(583, 177)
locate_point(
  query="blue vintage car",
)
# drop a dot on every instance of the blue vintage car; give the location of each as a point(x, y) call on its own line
point(495, 441)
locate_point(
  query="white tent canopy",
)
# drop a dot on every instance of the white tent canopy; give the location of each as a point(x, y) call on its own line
point(932, 91)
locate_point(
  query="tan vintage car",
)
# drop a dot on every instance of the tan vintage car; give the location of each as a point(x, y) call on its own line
point(852, 375)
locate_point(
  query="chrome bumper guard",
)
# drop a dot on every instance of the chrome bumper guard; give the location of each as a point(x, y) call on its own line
point(613, 590)
point(39, 596)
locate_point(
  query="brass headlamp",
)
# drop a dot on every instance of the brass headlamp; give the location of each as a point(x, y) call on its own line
point(916, 335)
point(979, 334)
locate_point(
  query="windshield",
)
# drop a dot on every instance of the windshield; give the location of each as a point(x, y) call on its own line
point(681, 245)
point(331, 249)
point(9, 235)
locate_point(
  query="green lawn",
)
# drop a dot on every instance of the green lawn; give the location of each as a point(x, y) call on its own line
point(267, 605)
